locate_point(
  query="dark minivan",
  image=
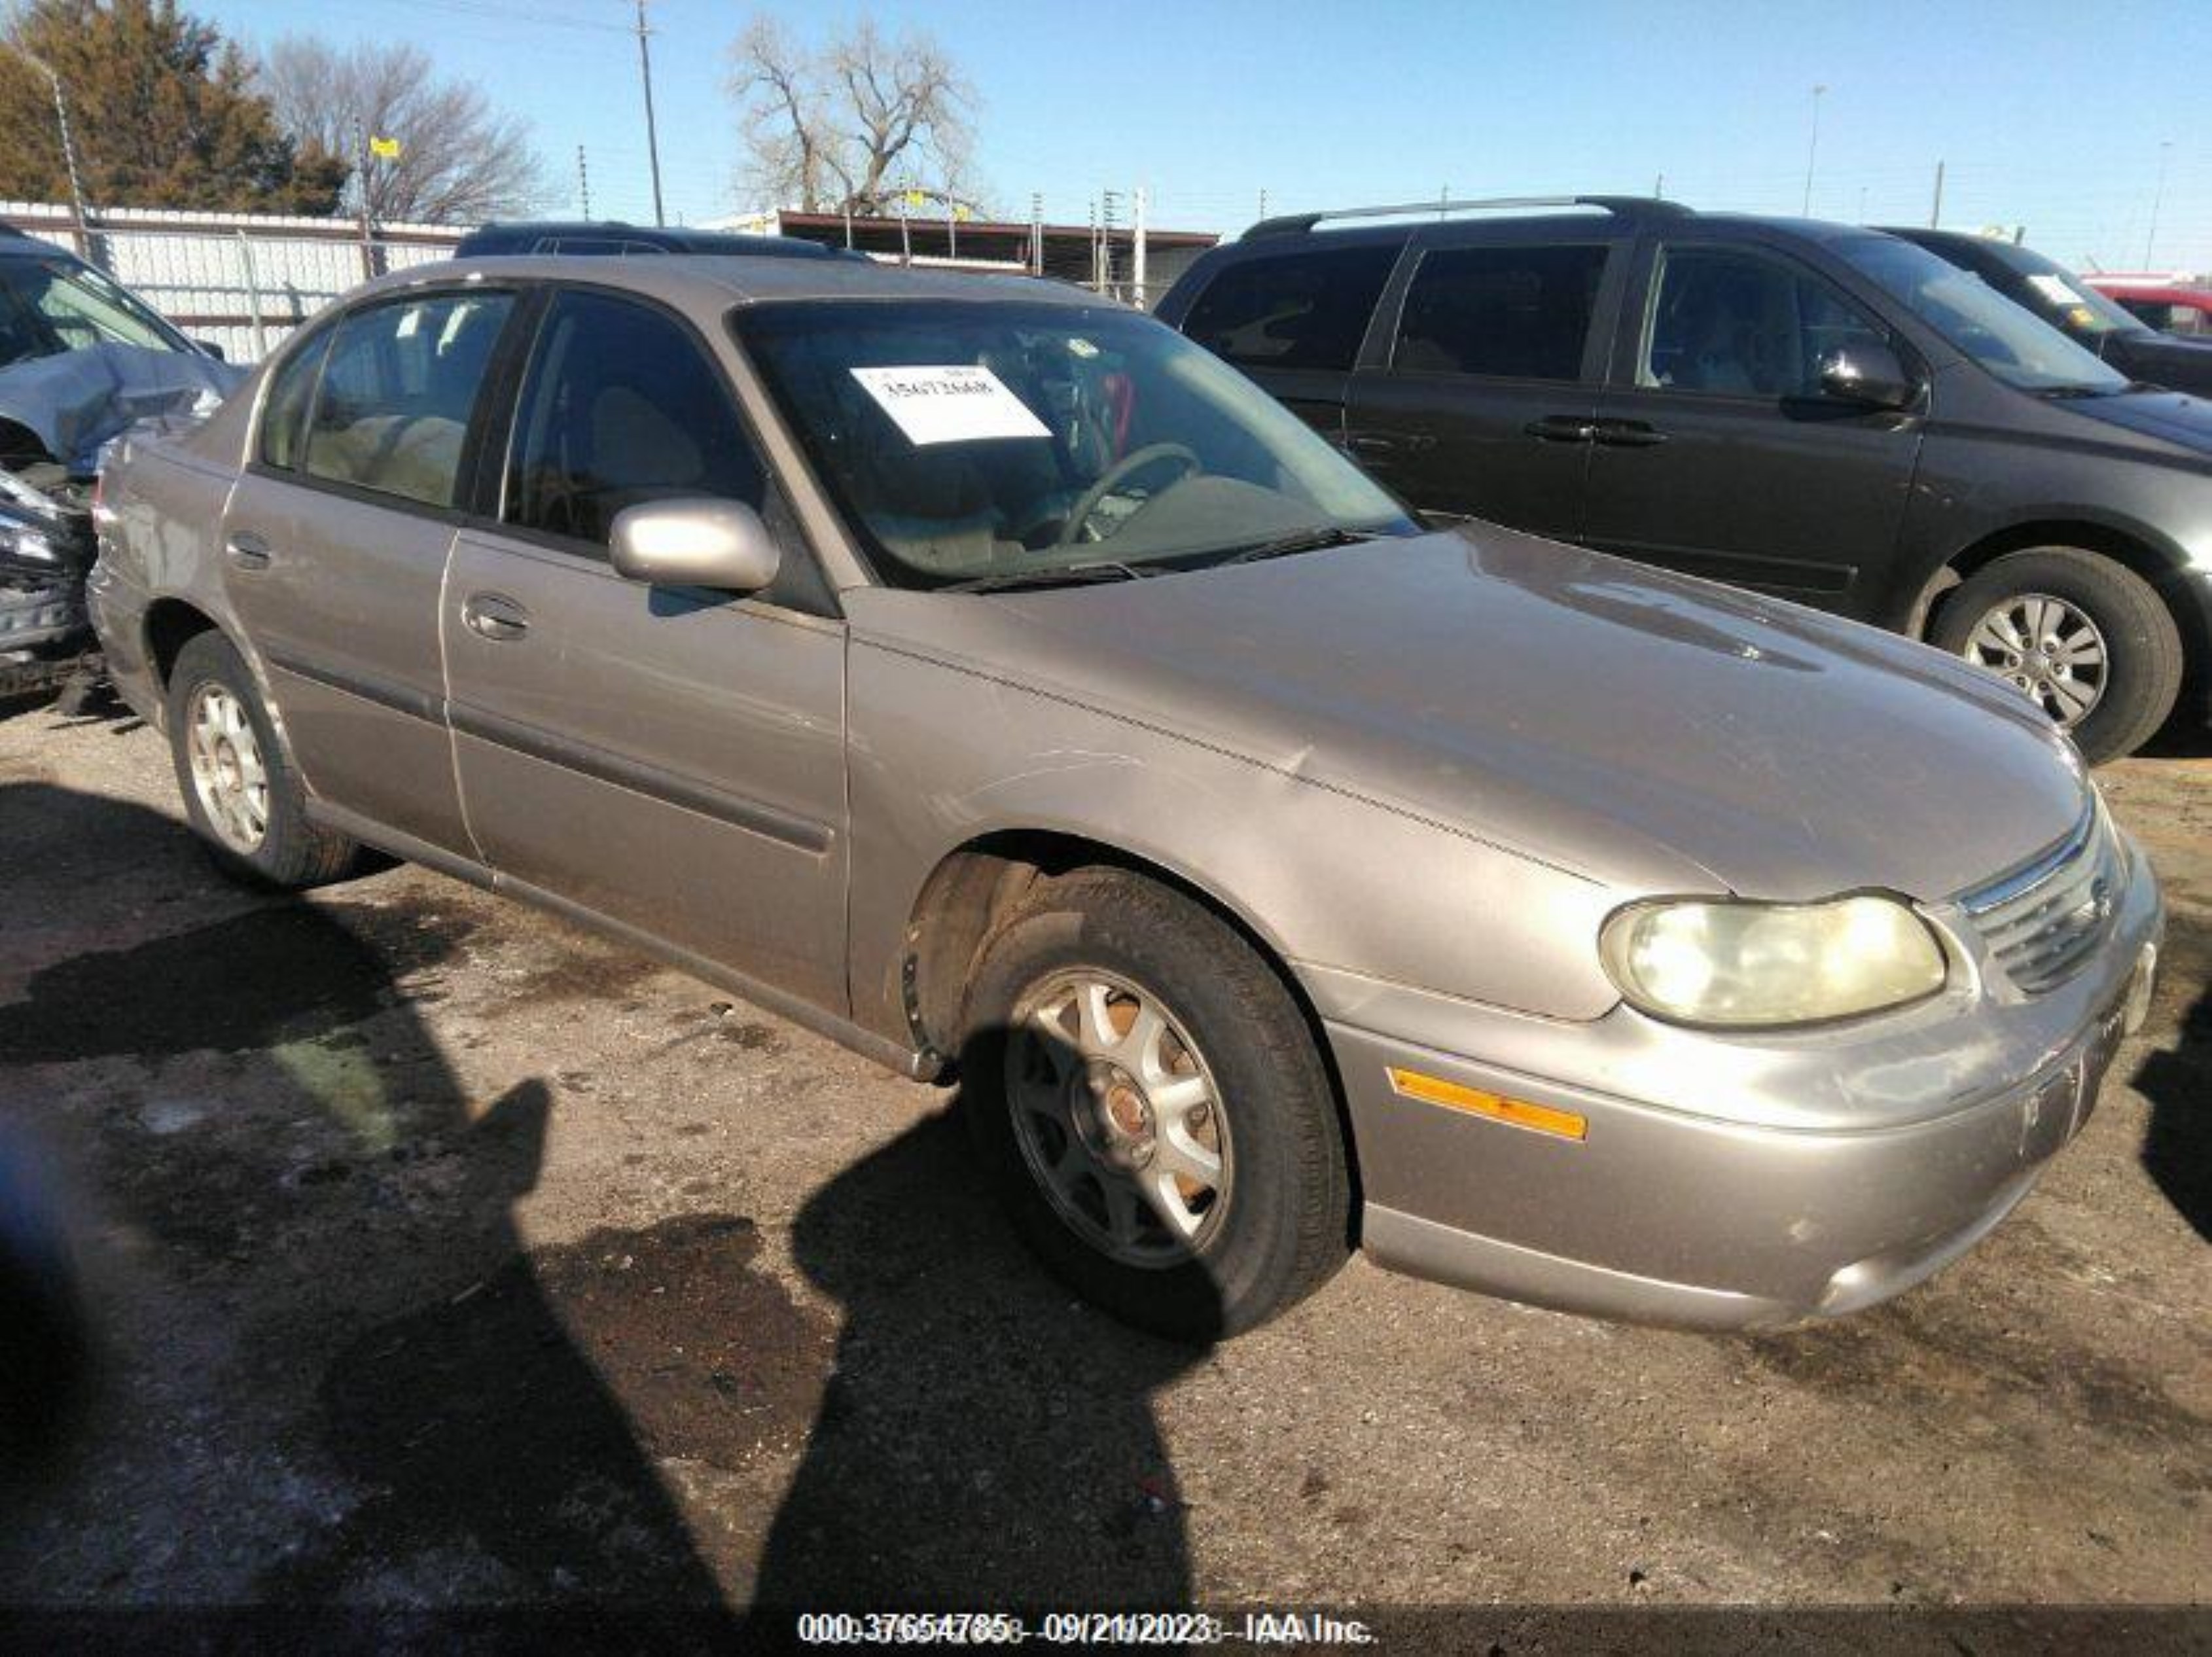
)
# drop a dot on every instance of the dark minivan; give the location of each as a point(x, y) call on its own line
point(1815, 410)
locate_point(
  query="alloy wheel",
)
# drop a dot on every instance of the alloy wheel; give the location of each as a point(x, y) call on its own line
point(1118, 1118)
point(228, 773)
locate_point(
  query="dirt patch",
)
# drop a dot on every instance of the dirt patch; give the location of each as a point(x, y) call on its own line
point(486, 1422)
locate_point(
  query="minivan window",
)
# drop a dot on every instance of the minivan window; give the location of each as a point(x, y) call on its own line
point(397, 390)
point(1512, 313)
point(1741, 325)
point(2019, 349)
point(620, 406)
point(1305, 310)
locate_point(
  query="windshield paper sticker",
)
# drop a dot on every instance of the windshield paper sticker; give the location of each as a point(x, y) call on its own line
point(954, 403)
point(2057, 289)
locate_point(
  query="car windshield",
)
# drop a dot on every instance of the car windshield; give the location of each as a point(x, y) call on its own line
point(51, 306)
point(2018, 347)
point(2060, 297)
point(1004, 441)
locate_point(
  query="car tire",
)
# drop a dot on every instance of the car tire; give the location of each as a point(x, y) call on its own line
point(1273, 1226)
point(241, 791)
point(2140, 641)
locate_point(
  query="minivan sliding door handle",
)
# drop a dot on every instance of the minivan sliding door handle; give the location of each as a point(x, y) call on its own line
point(1374, 443)
point(245, 550)
point(1562, 428)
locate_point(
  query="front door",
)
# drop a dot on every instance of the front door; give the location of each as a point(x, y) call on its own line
point(334, 545)
point(1715, 452)
point(667, 759)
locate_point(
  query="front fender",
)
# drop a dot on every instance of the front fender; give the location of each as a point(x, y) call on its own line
point(943, 755)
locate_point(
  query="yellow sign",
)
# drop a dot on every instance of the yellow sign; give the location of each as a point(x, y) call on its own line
point(387, 147)
point(915, 199)
point(962, 213)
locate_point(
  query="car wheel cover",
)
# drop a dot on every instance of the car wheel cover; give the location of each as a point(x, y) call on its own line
point(228, 773)
point(1119, 1119)
point(2047, 648)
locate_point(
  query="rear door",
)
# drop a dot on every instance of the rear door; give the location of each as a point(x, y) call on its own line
point(335, 547)
point(1478, 395)
point(1293, 319)
point(1715, 452)
point(668, 759)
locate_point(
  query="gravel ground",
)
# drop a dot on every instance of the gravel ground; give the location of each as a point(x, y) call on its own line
point(444, 1256)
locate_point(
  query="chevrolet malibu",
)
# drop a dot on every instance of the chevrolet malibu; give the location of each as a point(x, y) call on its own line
point(987, 677)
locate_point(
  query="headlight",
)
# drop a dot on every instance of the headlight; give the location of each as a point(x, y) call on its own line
point(1699, 962)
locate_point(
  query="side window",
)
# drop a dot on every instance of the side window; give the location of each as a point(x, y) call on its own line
point(397, 387)
point(285, 409)
point(620, 405)
point(1308, 310)
point(1512, 313)
point(1743, 325)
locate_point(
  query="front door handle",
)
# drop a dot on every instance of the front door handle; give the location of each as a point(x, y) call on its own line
point(1374, 443)
point(1561, 428)
point(495, 616)
point(1628, 434)
point(245, 550)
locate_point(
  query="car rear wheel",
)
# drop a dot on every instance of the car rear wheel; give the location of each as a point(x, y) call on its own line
point(241, 791)
point(1145, 1094)
point(2086, 640)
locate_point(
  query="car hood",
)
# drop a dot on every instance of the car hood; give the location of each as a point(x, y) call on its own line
point(2176, 417)
point(2179, 365)
point(1645, 730)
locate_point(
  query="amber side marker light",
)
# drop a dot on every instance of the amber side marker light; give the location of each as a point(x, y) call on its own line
point(1539, 1119)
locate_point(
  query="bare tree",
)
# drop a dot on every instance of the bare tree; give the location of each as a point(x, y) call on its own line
point(460, 161)
point(854, 125)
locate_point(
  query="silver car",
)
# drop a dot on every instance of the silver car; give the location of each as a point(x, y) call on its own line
point(991, 679)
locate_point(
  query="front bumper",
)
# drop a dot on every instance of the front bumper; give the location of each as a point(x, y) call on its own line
point(1740, 1184)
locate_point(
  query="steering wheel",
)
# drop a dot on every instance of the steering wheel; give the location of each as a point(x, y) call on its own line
point(1110, 480)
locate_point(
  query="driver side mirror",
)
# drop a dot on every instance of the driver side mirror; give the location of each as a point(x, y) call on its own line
point(1869, 373)
point(695, 541)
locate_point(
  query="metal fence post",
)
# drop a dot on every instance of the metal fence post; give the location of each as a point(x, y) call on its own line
point(252, 296)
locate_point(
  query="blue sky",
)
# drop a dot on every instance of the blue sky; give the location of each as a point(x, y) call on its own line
point(2048, 113)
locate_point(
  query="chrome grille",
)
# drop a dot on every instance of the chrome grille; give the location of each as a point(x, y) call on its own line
point(2042, 923)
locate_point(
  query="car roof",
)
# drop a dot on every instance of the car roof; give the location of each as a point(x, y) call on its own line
point(522, 235)
point(715, 281)
point(1614, 216)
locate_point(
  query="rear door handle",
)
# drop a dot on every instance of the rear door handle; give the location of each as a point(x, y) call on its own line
point(245, 550)
point(1629, 434)
point(495, 616)
point(1561, 428)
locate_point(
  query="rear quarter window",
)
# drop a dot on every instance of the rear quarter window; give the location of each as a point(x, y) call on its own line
point(1307, 310)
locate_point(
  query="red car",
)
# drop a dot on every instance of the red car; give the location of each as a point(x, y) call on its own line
point(2170, 307)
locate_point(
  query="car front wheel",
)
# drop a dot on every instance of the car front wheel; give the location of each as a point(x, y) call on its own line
point(1147, 1096)
point(2086, 640)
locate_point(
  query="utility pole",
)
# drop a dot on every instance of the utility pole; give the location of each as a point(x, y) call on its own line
point(1037, 232)
point(1142, 293)
point(1813, 150)
point(1263, 201)
point(1110, 209)
point(2157, 199)
point(583, 182)
point(69, 149)
point(1659, 187)
point(652, 134)
point(1935, 213)
point(361, 182)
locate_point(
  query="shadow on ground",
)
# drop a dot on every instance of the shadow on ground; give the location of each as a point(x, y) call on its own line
point(259, 1095)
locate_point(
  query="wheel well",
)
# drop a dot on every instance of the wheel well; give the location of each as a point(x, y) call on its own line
point(171, 624)
point(2122, 548)
point(974, 890)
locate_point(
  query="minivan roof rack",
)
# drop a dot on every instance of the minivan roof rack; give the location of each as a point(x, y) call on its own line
point(1295, 224)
